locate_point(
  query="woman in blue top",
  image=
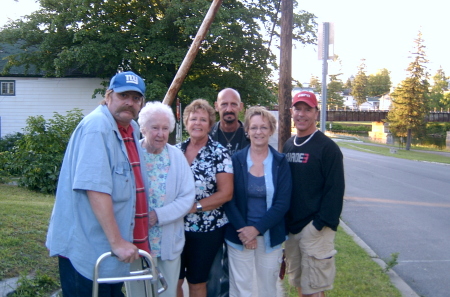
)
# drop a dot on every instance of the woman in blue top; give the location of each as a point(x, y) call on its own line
point(262, 191)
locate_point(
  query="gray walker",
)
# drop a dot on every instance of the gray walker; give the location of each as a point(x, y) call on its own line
point(150, 276)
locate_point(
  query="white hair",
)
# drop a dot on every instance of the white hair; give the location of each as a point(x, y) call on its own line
point(152, 108)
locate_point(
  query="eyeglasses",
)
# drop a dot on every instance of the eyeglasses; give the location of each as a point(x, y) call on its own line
point(263, 129)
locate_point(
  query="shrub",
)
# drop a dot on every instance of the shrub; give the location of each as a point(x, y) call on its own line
point(438, 128)
point(39, 153)
point(8, 142)
point(349, 128)
point(36, 286)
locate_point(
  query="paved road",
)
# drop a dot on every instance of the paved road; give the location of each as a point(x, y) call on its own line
point(402, 206)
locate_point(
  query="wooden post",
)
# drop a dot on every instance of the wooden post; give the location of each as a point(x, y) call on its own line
point(190, 56)
point(285, 80)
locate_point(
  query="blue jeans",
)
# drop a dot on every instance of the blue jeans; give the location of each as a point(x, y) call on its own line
point(74, 284)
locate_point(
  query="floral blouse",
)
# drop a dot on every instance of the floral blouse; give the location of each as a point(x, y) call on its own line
point(157, 166)
point(212, 159)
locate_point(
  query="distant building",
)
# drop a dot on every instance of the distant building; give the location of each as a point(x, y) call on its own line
point(366, 106)
point(385, 102)
point(31, 94)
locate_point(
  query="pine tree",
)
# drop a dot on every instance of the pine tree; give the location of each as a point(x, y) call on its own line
point(359, 86)
point(348, 83)
point(410, 98)
point(334, 92)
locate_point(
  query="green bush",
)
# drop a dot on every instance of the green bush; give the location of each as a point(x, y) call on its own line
point(39, 153)
point(438, 128)
point(36, 286)
point(349, 128)
point(8, 142)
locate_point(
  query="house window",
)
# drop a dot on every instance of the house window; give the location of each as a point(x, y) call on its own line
point(7, 88)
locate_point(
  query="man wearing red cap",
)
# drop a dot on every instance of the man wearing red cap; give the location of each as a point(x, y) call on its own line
point(317, 196)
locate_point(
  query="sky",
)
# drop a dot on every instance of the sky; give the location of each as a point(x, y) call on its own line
point(381, 32)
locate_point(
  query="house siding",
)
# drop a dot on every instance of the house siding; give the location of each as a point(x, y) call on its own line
point(45, 96)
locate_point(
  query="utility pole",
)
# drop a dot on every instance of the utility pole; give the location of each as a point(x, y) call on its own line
point(193, 50)
point(326, 37)
point(285, 80)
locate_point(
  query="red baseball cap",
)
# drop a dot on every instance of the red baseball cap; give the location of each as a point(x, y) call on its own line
point(305, 96)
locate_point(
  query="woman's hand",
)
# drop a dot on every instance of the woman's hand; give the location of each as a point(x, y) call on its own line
point(152, 218)
point(247, 234)
point(252, 245)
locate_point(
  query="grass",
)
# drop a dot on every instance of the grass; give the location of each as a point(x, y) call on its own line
point(24, 217)
point(400, 153)
point(356, 273)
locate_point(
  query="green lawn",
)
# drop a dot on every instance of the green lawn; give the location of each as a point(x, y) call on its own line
point(400, 153)
point(356, 273)
point(24, 217)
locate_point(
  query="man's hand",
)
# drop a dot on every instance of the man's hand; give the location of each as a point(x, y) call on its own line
point(102, 206)
point(125, 251)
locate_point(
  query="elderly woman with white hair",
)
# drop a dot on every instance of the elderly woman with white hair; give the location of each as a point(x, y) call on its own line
point(171, 192)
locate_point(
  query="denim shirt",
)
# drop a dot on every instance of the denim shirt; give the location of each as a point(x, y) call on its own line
point(96, 159)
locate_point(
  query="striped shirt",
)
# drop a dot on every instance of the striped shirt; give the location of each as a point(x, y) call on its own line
point(140, 233)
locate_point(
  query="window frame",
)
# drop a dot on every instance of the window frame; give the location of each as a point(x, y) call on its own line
point(13, 82)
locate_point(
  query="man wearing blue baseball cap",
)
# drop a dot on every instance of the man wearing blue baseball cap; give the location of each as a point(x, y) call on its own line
point(101, 201)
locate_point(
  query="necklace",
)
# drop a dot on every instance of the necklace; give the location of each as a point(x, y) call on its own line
point(310, 136)
point(229, 140)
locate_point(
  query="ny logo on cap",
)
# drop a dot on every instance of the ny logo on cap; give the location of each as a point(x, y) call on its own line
point(131, 79)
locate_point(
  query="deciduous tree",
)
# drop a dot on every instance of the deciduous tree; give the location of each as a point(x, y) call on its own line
point(410, 98)
point(315, 83)
point(99, 37)
point(439, 95)
point(379, 84)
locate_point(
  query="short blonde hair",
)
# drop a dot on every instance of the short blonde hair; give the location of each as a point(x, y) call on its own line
point(264, 113)
point(196, 105)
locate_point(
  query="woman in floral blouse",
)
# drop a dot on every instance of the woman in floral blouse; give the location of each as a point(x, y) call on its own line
point(213, 174)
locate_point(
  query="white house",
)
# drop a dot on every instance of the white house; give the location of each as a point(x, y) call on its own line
point(385, 102)
point(21, 97)
point(366, 106)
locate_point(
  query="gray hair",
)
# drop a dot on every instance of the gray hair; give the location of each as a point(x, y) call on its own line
point(152, 108)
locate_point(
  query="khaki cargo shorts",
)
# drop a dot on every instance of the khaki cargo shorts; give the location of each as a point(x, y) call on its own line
point(310, 259)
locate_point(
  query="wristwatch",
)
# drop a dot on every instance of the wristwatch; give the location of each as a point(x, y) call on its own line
point(199, 207)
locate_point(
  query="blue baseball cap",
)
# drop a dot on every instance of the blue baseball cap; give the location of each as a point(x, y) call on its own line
point(127, 81)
